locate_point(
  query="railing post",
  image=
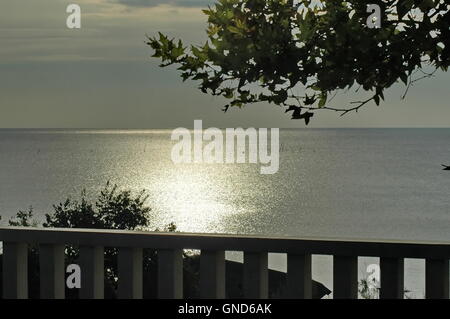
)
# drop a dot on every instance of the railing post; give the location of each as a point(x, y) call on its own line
point(299, 281)
point(392, 278)
point(436, 279)
point(170, 274)
point(92, 272)
point(256, 279)
point(15, 270)
point(212, 274)
point(51, 268)
point(130, 273)
point(345, 277)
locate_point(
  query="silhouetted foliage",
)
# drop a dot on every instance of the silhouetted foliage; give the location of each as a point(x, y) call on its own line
point(299, 54)
point(113, 209)
point(24, 219)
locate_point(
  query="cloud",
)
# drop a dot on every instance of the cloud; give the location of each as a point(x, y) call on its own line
point(176, 3)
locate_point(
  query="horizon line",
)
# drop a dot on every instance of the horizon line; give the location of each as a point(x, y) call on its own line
point(221, 128)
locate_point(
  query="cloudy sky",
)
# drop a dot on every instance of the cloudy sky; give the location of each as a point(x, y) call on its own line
point(102, 76)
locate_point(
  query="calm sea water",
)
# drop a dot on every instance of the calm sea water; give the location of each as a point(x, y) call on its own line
point(363, 183)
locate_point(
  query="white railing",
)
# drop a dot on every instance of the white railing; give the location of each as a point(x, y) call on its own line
point(169, 247)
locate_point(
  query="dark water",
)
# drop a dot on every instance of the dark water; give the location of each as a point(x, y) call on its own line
point(365, 183)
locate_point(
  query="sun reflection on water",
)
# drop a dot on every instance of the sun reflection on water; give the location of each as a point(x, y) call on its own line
point(194, 198)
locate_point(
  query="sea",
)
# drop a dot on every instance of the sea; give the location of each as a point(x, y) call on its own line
point(342, 183)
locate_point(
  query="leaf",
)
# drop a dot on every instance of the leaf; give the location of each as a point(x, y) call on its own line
point(280, 97)
point(233, 29)
point(323, 99)
point(404, 78)
point(376, 98)
point(310, 100)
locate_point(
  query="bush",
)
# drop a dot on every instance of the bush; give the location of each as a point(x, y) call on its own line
point(112, 209)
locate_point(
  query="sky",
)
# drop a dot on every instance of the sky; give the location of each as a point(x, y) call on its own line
point(102, 76)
